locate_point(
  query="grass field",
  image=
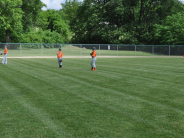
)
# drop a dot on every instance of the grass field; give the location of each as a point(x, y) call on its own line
point(124, 98)
point(73, 51)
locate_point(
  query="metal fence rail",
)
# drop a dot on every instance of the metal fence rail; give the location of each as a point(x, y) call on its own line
point(34, 49)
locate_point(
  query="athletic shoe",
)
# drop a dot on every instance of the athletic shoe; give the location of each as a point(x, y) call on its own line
point(94, 69)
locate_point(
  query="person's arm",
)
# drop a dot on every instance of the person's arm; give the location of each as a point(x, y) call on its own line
point(5, 51)
point(93, 55)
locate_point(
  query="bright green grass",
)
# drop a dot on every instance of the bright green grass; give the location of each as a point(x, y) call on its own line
point(124, 98)
point(70, 51)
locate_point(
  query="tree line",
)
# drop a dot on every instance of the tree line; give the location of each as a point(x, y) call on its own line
point(145, 22)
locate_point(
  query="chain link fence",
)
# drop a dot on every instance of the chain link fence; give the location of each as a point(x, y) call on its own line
point(35, 50)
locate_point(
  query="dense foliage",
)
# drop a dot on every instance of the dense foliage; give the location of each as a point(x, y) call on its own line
point(158, 22)
point(10, 19)
point(121, 21)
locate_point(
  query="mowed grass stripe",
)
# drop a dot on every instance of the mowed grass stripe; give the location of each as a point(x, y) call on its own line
point(105, 105)
point(129, 90)
point(136, 79)
point(156, 86)
point(152, 84)
point(140, 78)
point(19, 95)
point(82, 77)
point(144, 72)
point(153, 71)
point(28, 87)
point(121, 109)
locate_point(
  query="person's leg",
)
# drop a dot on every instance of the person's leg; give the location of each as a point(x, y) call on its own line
point(92, 64)
point(94, 60)
point(3, 61)
point(6, 59)
point(60, 63)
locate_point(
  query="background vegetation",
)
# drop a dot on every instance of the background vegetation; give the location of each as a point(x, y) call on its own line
point(145, 22)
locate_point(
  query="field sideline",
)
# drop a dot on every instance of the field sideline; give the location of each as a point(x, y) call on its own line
point(97, 57)
point(125, 97)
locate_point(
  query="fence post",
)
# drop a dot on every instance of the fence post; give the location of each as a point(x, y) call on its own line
point(117, 50)
point(169, 51)
point(99, 50)
point(135, 50)
point(153, 50)
point(41, 50)
point(81, 50)
point(20, 50)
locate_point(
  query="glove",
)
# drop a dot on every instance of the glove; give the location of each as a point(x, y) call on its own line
point(60, 60)
point(91, 53)
point(1, 53)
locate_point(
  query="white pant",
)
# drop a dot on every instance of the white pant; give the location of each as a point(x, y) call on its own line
point(93, 62)
point(4, 61)
point(60, 63)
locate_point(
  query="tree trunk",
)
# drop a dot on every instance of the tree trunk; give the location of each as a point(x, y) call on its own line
point(7, 36)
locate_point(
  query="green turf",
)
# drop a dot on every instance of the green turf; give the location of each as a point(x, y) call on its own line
point(124, 98)
point(74, 51)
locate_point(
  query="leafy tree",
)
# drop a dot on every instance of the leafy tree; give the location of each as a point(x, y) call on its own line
point(51, 20)
point(137, 17)
point(88, 26)
point(10, 17)
point(120, 21)
point(41, 36)
point(2, 35)
point(69, 9)
point(171, 31)
point(31, 9)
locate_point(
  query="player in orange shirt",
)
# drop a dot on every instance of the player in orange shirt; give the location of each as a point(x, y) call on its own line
point(93, 55)
point(60, 56)
point(4, 61)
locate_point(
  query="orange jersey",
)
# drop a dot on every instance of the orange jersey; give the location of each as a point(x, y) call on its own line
point(5, 51)
point(94, 54)
point(59, 54)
